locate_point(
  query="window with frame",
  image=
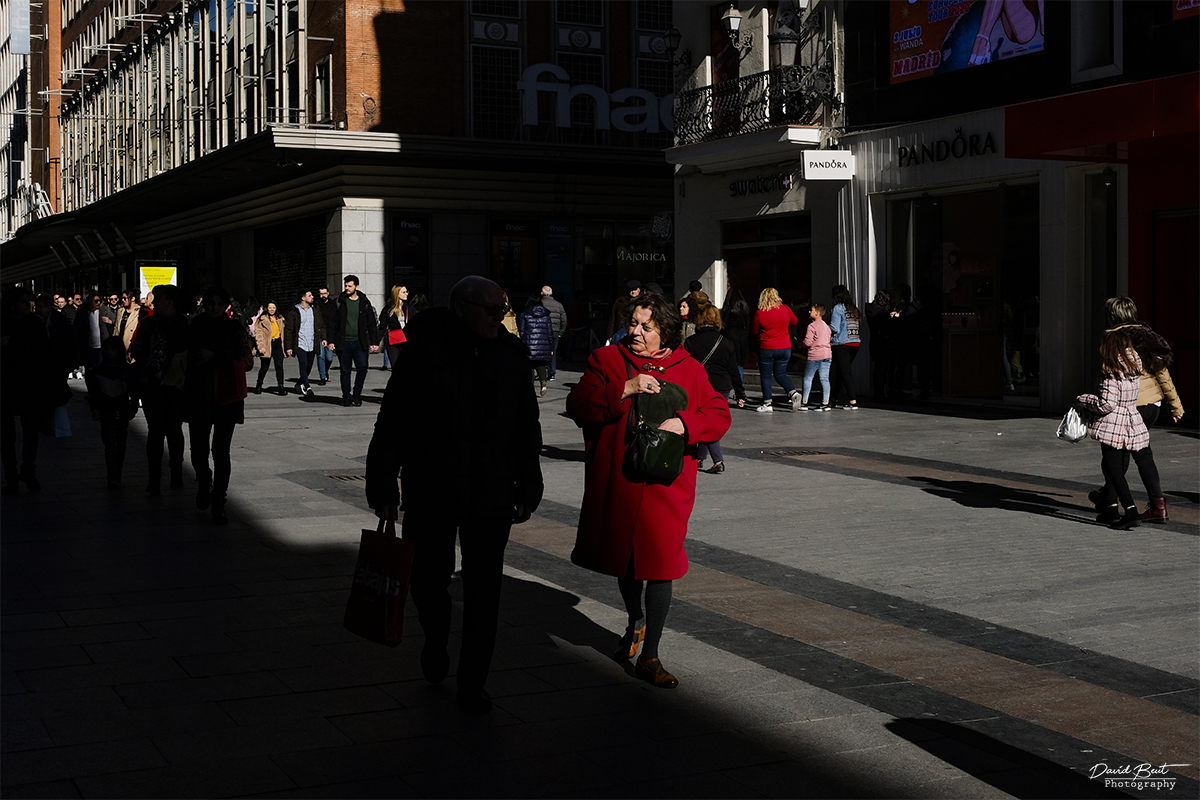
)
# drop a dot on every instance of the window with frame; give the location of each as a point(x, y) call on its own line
point(654, 15)
point(495, 101)
point(583, 68)
point(323, 100)
point(579, 12)
point(655, 76)
point(496, 8)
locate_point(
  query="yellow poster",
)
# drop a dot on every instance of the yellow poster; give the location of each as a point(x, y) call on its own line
point(156, 276)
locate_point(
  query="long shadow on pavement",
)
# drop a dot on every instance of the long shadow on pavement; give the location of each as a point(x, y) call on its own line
point(148, 653)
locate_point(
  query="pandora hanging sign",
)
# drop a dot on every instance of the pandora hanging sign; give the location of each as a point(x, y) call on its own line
point(828, 165)
point(627, 110)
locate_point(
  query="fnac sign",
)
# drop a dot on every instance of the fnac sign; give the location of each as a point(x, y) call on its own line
point(645, 112)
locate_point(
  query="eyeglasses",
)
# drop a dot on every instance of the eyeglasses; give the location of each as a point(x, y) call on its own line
point(492, 311)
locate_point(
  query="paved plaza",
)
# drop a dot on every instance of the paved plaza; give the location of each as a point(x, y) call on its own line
point(895, 602)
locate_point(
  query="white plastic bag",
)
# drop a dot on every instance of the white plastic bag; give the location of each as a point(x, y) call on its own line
point(1072, 428)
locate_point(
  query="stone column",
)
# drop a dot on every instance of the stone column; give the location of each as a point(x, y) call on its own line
point(356, 244)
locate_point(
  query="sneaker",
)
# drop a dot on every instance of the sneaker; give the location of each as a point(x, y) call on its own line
point(851, 407)
point(797, 401)
point(826, 407)
point(357, 401)
point(803, 407)
point(766, 408)
point(347, 402)
point(308, 392)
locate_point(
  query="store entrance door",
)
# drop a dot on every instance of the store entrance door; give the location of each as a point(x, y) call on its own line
point(971, 264)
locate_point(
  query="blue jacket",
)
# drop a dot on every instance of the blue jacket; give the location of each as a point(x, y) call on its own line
point(845, 330)
point(536, 332)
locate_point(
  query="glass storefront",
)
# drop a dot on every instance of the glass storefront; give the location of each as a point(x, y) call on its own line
point(773, 251)
point(972, 262)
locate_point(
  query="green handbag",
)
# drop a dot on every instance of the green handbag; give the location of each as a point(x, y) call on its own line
point(655, 456)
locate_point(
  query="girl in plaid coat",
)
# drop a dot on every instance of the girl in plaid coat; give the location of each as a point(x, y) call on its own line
point(1115, 422)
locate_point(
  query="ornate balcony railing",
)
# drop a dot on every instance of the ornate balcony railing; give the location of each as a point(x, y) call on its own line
point(790, 95)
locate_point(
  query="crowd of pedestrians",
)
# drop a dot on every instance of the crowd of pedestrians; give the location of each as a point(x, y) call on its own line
point(669, 373)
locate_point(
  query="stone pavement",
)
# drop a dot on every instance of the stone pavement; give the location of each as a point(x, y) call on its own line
point(881, 603)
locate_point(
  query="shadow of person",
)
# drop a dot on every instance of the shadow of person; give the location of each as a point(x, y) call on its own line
point(982, 494)
point(1009, 769)
point(562, 454)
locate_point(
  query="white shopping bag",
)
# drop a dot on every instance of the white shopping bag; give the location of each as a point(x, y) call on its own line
point(1072, 428)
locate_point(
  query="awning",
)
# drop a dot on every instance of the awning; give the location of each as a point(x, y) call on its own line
point(1099, 125)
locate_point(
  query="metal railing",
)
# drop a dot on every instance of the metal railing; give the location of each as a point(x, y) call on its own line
point(791, 95)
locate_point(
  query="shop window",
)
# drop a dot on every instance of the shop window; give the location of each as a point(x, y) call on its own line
point(773, 251)
point(516, 260)
point(410, 253)
point(1097, 41)
point(495, 101)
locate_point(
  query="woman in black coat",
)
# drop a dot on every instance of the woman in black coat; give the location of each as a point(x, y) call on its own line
point(735, 326)
point(717, 353)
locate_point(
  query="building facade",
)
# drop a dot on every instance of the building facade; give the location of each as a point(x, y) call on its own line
point(1013, 164)
point(279, 145)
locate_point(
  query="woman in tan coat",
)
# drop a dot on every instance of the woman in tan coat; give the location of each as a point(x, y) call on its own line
point(268, 341)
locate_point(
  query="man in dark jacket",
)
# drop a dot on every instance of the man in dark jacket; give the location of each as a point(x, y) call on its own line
point(354, 337)
point(303, 335)
point(468, 469)
point(558, 322)
point(327, 308)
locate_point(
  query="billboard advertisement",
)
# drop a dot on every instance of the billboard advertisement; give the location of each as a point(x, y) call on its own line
point(932, 37)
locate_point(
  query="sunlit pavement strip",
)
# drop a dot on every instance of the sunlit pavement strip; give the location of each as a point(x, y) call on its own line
point(1110, 720)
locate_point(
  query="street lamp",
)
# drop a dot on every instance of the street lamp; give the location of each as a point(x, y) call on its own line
point(731, 21)
point(672, 38)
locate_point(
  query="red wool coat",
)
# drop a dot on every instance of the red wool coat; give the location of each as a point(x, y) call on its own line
point(620, 516)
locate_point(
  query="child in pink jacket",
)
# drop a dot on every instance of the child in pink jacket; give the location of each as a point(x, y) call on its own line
point(820, 354)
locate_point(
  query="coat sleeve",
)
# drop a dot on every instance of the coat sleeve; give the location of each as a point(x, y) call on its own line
point(372, 326)
point(837, 323)
point(707, 417)
point(810, 336)
point(1174, 405)
point(596, 399)
point(530, 485)
point(319, 332)
point(1103, 403)
point(291, 330)
point(387, 450)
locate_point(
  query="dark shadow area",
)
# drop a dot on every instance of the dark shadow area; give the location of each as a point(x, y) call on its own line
point(1191, 497)
point(561, 454)
point(978, 494)
point(1003, 766)
point(149, 653)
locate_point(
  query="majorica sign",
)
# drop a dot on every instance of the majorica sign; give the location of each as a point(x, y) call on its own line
point(647, 113)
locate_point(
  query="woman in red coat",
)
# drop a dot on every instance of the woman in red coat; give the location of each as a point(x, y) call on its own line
point(628, 528)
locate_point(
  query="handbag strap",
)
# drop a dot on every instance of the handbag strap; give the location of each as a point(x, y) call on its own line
point(716, 344)
point(387, 526)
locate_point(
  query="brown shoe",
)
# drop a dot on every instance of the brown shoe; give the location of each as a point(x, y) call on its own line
point(651, 671)
point(628, 646)
point(1156, 511)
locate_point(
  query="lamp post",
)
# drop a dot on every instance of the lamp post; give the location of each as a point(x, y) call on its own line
point(673, 38)
point(731, 21)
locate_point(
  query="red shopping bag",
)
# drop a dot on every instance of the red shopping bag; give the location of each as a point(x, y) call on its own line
point(375, 609)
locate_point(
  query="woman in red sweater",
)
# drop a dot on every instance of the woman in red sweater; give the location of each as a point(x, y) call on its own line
point(770, 324)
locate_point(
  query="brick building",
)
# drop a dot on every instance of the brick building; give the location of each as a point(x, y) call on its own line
point(281, 144)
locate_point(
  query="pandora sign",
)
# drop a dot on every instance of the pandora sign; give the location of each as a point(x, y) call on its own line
point(828, 165)
point(642, 112)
